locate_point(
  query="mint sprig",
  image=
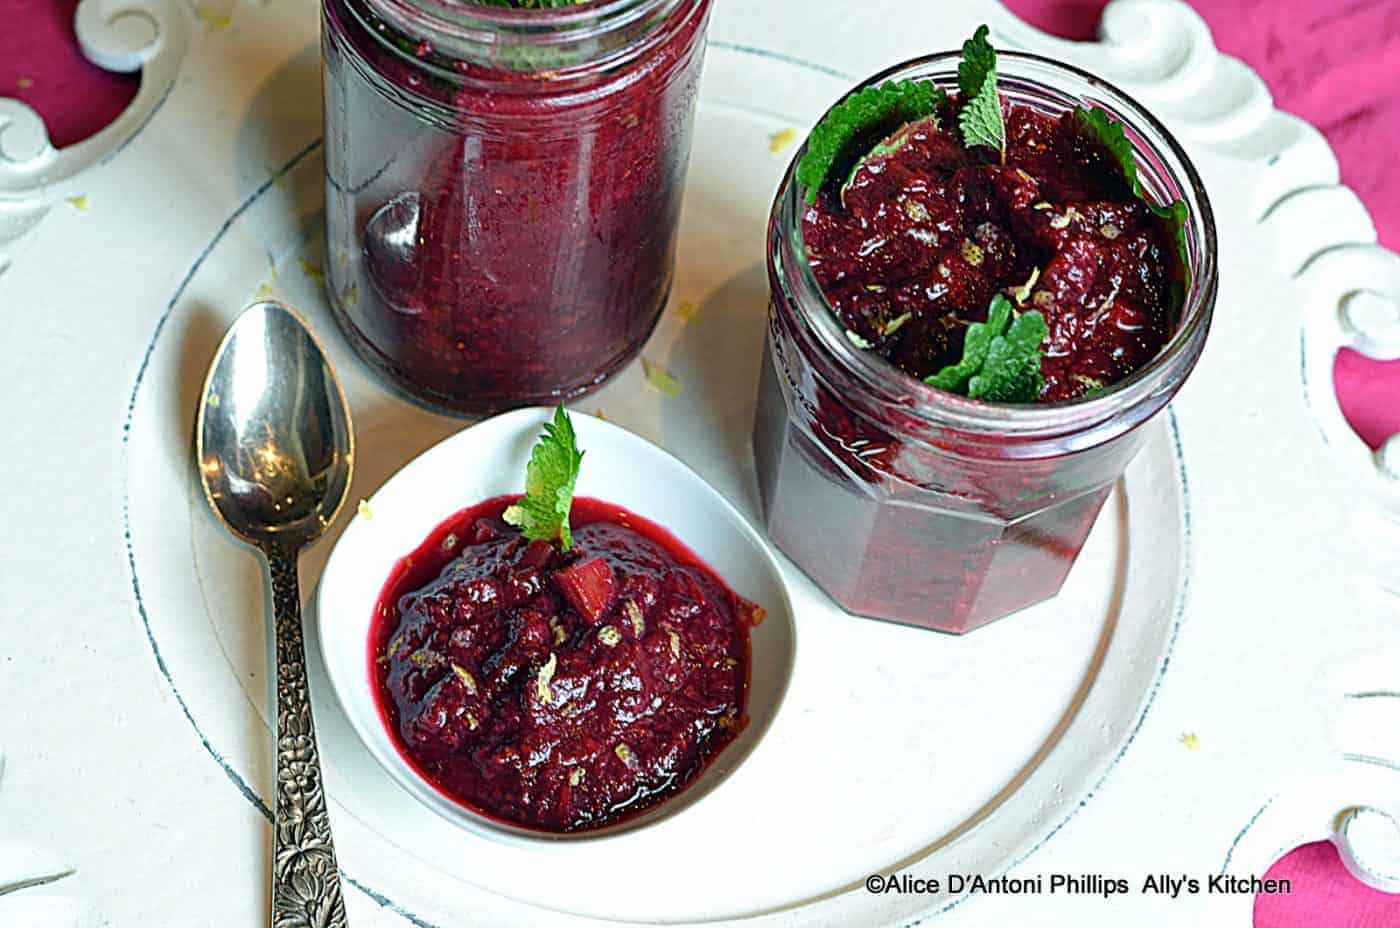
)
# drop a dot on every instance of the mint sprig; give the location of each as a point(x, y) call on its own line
point(869, 113)
point(1011, 373)
point(955, 377)
point(1001, 357)
point(980, 118)
point(979, 60)
point(542, 514)
point(1108, 133)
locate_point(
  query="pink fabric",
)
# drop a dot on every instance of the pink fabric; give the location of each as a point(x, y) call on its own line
point(1335, 64)
point(1324, 895)
point(1369, 393)
point(41, 64)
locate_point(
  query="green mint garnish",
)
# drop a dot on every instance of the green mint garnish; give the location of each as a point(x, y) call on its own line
point(542, 514)
point(874, 111)
point(979, 60)
point(978, 340)
point(1001, 357)
point(1011, 373)
point(980, 119)
point(1108, 132)
point(1175, 215)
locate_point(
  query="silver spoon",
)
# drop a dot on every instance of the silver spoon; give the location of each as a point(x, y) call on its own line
point(275, 450)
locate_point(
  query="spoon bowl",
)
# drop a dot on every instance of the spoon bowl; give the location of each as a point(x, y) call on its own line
point(275, 447)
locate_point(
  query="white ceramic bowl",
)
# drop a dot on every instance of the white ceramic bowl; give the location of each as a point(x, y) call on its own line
point(486, 460)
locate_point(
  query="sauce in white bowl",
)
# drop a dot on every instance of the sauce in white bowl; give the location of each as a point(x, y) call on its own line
point(489, 460)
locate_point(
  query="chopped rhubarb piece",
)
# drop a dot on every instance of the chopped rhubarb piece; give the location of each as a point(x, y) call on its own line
point(589, 587)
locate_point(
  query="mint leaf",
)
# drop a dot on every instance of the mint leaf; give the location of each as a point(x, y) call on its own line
point(980, 119)
point(874, 111)
point(1011, 372)
point(1001, 357)
point(979, 60)
point(954, 378)
point(1108, 132)
point(542, 514)
point(1174, 214)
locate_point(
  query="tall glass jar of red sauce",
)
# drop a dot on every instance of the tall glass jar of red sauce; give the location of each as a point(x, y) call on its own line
point(503, 188)
point(908, 503)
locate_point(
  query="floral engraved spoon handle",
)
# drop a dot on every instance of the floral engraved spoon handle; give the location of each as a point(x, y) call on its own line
point(305, 881)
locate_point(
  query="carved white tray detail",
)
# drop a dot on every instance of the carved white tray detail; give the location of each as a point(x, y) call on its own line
point(121, 36)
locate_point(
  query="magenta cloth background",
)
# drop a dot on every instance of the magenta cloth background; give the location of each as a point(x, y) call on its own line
point(40, 64)
point(1334, 63)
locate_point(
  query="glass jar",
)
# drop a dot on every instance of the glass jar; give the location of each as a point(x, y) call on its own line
point(503, 188)
point(908, 503)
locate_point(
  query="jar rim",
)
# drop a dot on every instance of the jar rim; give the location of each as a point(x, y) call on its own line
point(942, 408)
point(466, 21)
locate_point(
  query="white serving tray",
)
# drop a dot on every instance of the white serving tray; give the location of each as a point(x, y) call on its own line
point(1218, 595)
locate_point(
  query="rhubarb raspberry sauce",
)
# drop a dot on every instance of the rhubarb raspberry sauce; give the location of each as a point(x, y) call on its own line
point(926, 231)
point(559, 691)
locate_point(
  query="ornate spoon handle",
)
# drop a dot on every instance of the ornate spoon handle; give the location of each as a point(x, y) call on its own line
point(305, 881)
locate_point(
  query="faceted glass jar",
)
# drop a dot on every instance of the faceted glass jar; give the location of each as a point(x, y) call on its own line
point(503, 188)
point(908, 503)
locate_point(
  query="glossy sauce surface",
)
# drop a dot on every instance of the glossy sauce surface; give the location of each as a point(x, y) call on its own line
point(560, 692)
point(924, 234)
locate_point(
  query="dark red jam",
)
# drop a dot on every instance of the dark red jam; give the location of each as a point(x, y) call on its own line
point(501, 237)
point(925, 233)
point(559, 692)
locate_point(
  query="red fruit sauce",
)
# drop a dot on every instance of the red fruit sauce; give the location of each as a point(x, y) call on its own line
point(920, 240)
point(559, 692)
